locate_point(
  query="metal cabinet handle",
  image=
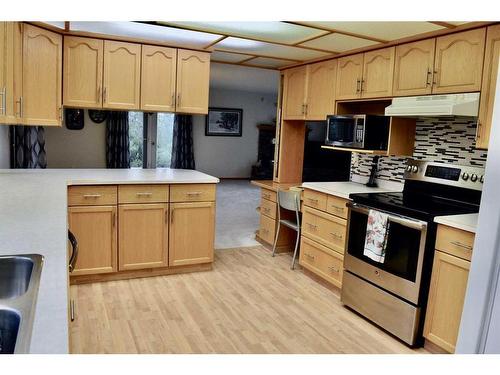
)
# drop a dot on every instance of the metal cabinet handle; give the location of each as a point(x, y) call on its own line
point(312, 226)
point(428, 77)
point(172, 102)
point(21, 111)
point(72, 310)
point(74, 253)
point(171, 215)
point(179, 99)
point(194, 193)
point(3, 93)
point(313, 200)
point(434, 80)
point(333, 269)
point(336, 235)
point(309, 256)
point(113, 218)
point(361, 85)
point(267, 196)
point(144, 194)
point(357, 85)
point(462, 245)
point(266, 209)
point(88, 196)
point(307, 108)
point(104, 95)
point(337, 208)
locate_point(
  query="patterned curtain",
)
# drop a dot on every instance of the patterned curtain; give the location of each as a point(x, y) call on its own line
point(117, 140)
point(182, 143)
point(27, 147)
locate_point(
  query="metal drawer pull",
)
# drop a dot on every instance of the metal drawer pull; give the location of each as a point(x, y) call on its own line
point(313, 200)
point(309, 256)
point(194, 193)
point(312, 226)
point(459, 244)
point(333, 269)
point(265, 230)
point(87, 196)
point(336, 235)
point(337, 208)
point(266, 209)
point(145, 194)
point(267, 196)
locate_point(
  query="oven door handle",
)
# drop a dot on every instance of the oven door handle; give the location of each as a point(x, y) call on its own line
point(399, 219)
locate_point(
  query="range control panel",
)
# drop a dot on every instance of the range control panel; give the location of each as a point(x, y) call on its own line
point(446, 174)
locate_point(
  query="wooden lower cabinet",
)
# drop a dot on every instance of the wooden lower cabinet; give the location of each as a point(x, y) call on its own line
point(191, 237)
point(143, 236)
point(324, 228)
point(96, 233)
point(446, 300)
point(321, 260)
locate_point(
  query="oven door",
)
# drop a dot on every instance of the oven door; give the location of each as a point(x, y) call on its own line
point(401, 271)
point(341, 132)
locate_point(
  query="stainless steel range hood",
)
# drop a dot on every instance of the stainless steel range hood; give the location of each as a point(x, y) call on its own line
point(435, 105)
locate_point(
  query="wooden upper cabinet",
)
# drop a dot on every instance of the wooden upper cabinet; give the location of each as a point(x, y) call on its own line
point(193, 76)
point(378, 73)
point(159, 69)
point(349, 75)
point(41, 101)
point(143, 236)
point(10, 71)
point(295, 93)
point(191, 236)
point(83, 58)
point(95, 230)
point(321, 90)
point(446, 300)
point(490, 75)
point(413, 67)
point(122, 75)
point(458, 64)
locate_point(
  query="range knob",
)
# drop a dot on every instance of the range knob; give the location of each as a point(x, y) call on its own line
point(473, 177)
point(465, 176)
point(414, 169)
point(481, 179)
point(408, 168)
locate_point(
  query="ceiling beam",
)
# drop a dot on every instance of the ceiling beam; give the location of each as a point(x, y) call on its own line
point(247, 65)
point(259, 55)
point(262, 40)
point(337, 31)
point(247, 60)
point(216, 41)
point(443, 24)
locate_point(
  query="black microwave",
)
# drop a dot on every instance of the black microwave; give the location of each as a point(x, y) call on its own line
point(369, 132)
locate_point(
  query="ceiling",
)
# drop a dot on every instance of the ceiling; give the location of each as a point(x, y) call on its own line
point(271, 44)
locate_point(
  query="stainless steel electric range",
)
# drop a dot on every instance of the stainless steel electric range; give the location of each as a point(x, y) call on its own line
point(393, 294)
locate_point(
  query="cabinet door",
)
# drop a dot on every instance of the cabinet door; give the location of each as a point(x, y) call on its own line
point(10, 52)
point(42, 74)
point(458, 65)
point(83, 58)
point(446, 300)
point(413, 68)
point(191, 239)
point(122, 75)
point(159, 69)
point(95, 230)
point(3, 69)
point(143, 236)
point(294, 96)
point(490, 74)
point(349, 74)
point(378, 73)
point(193, 75)
point(321, 90)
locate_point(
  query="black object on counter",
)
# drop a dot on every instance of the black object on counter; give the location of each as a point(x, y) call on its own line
point(373, 174)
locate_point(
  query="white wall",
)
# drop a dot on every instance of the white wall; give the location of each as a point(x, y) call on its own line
point(233, 156)
point(4, 147)
point(84, 148)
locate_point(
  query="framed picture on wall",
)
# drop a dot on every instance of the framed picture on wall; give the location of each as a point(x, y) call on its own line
point(224, 122)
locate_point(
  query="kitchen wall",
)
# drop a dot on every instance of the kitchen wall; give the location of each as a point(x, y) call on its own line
point(440, 139)
point(84, 148)
point(4, 147)
point(233, 156)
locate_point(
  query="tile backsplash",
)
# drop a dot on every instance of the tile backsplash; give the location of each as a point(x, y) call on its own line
point(439, 139)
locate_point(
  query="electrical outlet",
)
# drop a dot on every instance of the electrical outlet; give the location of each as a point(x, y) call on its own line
point(355, 159)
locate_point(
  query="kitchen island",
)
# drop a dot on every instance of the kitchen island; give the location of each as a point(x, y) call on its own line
point(34, 219)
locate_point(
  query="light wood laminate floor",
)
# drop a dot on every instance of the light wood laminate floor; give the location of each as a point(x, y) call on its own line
point(249, 303)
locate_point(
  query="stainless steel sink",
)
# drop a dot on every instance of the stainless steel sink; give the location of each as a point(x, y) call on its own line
point(19, 282)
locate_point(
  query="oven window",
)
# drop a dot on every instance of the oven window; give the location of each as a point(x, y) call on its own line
point(341, 130)
point(403, 245)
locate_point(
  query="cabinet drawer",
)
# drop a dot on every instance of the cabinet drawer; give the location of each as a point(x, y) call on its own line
point(324, 228)
point(142, 194)
point(268, 208)
point(267, 229)
point(337, 206)
point(315, 199)
point(192, 193)
point(92, 195)
point(322, 261)
point(269, 195)
point(455, 241)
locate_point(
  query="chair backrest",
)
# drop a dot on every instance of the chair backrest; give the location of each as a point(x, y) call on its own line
point(289, 199)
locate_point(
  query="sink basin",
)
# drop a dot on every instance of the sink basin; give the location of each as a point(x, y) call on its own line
point(9, 328)
point(15, 275)
point(19, 282)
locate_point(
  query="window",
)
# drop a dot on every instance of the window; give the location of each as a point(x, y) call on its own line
point(150, 139)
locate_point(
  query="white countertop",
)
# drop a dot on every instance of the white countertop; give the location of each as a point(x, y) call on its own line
point(33, 219)
point(467, 222)
point(343, 189)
